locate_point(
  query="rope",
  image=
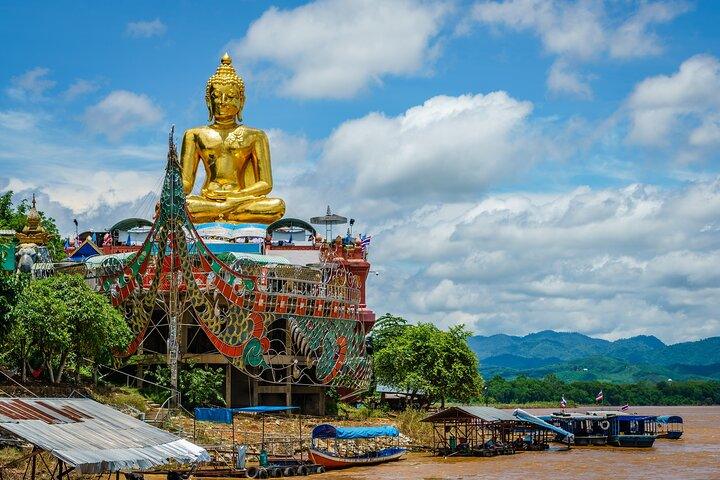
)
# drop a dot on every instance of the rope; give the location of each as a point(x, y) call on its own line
point(17, 383)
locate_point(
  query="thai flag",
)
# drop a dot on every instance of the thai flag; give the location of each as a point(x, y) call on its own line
point(365, 241)
point(599, 397)
point(563, 402)
point(625, 407)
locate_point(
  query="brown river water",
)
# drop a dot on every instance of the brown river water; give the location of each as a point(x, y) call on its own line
point(696, 455)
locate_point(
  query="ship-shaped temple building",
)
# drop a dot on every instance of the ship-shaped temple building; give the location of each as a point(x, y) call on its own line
point(221, 277)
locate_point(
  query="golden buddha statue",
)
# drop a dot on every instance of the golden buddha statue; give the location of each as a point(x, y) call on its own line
point(236, 159)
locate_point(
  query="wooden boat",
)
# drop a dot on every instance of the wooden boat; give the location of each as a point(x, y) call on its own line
point(337, 447)
point(669, 426)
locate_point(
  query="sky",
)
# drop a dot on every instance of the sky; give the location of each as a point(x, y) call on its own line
point(521, 164)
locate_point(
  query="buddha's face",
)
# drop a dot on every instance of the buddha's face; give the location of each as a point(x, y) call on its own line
point(226, 101)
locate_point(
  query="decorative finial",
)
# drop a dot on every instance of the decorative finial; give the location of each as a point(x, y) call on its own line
point(33, 205)
point(226, 60)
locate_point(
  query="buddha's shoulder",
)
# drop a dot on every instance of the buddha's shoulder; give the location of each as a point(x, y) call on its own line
point(250, 131)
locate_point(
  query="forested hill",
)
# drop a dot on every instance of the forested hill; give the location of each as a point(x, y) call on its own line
point(573, 356)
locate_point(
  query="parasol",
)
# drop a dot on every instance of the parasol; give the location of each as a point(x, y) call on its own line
point(329, 219)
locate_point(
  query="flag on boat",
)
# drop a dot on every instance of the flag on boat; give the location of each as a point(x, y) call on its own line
point(563, 402)
point(599, 397)
point(625, 407)
point(365, 241)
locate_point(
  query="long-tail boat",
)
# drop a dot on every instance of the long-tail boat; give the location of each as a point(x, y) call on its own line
point(342, 447)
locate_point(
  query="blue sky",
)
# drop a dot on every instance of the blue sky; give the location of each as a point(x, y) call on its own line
point(523, 164)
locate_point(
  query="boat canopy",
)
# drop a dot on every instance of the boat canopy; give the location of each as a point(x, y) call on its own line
point(665, 419)
point(526, 417)
point(326, 430)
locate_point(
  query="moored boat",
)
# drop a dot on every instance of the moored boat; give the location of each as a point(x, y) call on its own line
point(587, 429)
point(342, 447)
point(669, 426)
point(629, 430)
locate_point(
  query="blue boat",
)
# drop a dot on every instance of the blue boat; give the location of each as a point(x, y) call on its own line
point(669, 426)
point(338, 447)
point(587, 429)
point(629, 430)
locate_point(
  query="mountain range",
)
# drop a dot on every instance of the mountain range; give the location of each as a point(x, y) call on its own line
point(574, 356)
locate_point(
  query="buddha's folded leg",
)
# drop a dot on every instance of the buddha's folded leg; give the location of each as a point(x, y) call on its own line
point(264, 210)
point(246, 209)
point(203, 210)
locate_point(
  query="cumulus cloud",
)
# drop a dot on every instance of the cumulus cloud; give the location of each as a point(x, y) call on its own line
point(335, 48)
point(607, 262)
point(145, 29)
point(580, 31)
point(31, 85)
point(120, 112)
point(448, 146)
point(681, 108)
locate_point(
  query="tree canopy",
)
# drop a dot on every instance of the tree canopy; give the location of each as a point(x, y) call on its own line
point(59, 321)
point(424, 359)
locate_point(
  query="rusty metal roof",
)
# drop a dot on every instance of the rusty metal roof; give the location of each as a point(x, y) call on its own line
point(93, 437)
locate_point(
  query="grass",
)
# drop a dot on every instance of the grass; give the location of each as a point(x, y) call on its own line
point(124, 397)
point(410, 424)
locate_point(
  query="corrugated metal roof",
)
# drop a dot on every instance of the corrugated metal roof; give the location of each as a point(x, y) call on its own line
point(487, 414)
point(93, 437)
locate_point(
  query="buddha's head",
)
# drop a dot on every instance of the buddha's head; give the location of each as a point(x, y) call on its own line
point(225, 92)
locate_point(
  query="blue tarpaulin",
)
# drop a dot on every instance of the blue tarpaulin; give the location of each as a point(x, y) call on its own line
point(217, 415)
point(225, 415)
point(326, 430)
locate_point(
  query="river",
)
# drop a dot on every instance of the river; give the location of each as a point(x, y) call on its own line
point(695, 456)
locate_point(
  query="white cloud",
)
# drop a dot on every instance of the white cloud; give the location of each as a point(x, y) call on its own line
point(679, 108)
point(77, 175)
point(583, 30)
point(120, 112)
point(80, 87)
point(145, 29)
point(290, 156)
point(634, 39)
point(17, 120)
point(563, 79)
point(335, 48)
point(31, 85)
point(446, 147)
point(609, 263)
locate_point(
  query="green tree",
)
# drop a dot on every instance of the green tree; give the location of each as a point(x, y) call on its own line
point(386, 329)
point(425, 359)
point(199, 386)
point(62, 321)
point(10, 287)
